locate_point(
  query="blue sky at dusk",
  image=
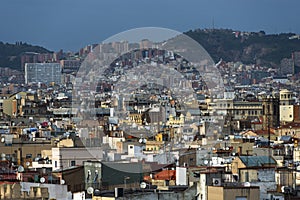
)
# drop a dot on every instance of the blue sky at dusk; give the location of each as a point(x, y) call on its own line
point(72, 24)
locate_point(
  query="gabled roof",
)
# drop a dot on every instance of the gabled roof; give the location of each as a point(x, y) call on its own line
point(257, 161)
point(248, 133)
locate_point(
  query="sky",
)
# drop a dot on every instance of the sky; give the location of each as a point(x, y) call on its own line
point(73, 24)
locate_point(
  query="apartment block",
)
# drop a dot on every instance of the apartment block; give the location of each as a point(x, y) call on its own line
point(42, 72)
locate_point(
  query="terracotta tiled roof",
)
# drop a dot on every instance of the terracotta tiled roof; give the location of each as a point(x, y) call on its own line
point(264, 132)
point(165, 175)
point(291, 125)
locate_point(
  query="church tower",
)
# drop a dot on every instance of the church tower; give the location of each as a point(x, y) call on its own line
point(270, 111)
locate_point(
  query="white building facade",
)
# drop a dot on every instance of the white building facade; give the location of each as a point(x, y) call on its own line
point(43, 72)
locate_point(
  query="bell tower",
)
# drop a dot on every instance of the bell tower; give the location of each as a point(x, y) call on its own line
point(270, 111)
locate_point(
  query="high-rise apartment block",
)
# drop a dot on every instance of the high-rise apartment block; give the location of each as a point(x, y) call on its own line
point(43, 73)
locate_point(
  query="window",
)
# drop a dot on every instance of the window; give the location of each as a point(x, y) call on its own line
point(247, 176)
point(274, 110)
point(73, 163)
point(55, 163)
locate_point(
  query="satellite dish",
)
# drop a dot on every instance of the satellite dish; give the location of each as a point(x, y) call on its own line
point(42, 180)
point(247, 184)
point(143, 185)
point(21, 168)
point(62, 181)
point(205, 162)
point(141, 140)
point(27, 164)
point(97, 192)
point(90, 190)
point(2, 139)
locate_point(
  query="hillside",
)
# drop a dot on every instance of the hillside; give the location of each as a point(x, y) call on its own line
point(247, 47)
point(10, 54)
